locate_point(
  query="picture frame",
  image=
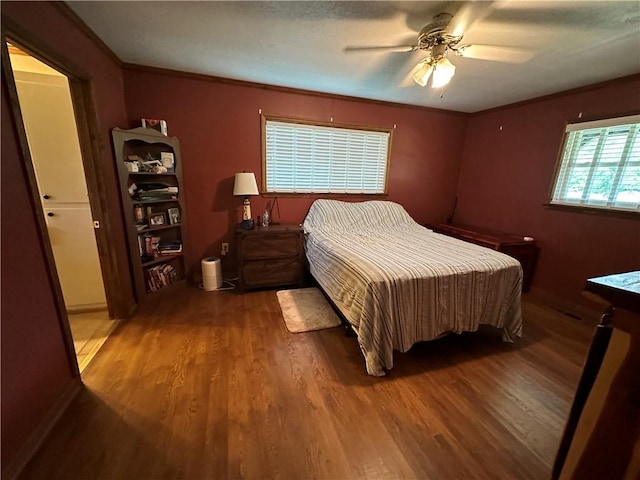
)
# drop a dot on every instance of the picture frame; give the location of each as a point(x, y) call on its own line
point(168, 161)
point(174, 215)
point(138, 213)
point(155, 124)
point(157, 219)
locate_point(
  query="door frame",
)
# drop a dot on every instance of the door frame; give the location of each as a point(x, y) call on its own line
point(120, 300)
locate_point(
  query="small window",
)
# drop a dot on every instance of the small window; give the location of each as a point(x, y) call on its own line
point(600, 165)
point(305, 157)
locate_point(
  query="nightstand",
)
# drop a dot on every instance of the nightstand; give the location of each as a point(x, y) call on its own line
point(270, 256)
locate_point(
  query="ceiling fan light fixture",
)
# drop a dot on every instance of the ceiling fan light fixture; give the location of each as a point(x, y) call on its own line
point(442, 73)
point(422, 72)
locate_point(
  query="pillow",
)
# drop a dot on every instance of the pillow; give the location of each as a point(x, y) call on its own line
point(335, 215)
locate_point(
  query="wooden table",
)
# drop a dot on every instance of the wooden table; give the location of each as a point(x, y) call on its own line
point(603, 429)
point(525, 251)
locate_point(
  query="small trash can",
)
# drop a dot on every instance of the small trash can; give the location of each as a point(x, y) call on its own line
point(211, 273)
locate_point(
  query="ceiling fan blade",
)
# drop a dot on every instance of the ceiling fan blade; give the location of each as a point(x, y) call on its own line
point(565, 14)
point(495, 53)
point(408, 80)
point(466, 15)
point(381, 48)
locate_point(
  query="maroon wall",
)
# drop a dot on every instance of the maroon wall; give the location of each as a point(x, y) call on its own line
point(35, 369)
point(218, 125)
point(508, 166)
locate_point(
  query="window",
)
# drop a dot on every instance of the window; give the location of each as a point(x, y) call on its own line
point(600, 165)
point(305, 157)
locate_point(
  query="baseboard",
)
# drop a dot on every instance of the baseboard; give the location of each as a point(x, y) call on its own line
point(87, 308)
point(37, 437)
point(580, 312)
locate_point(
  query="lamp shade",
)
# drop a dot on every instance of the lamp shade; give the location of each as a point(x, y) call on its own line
point(245, 184)
point(442, 73)
point(422, 72)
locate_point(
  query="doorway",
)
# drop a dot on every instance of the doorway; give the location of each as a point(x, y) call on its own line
point(47, 109)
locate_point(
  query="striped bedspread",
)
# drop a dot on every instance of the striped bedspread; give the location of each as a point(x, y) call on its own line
point(399, 283)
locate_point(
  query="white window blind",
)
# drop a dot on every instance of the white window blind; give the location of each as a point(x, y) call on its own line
point(305, 158)
point(600, 165)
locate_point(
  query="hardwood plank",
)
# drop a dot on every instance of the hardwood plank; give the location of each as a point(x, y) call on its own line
point(212, 385)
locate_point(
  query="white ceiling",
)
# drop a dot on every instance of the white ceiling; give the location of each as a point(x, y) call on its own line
point(301, 45)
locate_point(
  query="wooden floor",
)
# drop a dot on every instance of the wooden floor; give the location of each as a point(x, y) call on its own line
point(89, 331)
point(211, 385)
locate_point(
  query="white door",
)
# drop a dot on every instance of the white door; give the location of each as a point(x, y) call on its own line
point(74, 249)
point(47, 110)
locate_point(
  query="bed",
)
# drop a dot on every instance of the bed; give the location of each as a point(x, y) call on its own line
point(398, 283)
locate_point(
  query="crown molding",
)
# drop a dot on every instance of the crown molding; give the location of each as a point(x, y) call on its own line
point(299, 91)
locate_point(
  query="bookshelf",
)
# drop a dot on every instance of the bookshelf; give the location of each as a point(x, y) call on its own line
point(150, 180)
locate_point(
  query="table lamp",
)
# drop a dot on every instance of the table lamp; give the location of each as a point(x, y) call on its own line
point(245, 185)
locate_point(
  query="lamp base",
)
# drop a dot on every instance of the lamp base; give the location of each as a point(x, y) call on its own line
point(247, 224)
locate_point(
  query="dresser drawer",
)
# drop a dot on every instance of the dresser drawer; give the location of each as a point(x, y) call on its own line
point(271, 245)
point(271, 272)
point(270, 256)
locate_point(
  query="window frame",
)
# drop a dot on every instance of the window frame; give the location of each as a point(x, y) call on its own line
point(586, 124)
point(300, 121)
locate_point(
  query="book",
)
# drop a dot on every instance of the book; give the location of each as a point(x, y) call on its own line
point(153, 191)
point(170, 247)
point(156, 196)
point(155, 241)
point(170, 252)
point(159, 276)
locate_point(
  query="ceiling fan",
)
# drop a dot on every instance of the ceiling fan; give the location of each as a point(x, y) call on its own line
point(444, 35)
